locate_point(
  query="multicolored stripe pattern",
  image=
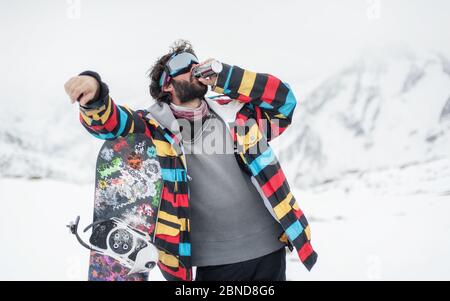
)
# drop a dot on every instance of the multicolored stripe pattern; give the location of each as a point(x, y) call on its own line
point(268, 110)
point(110, 121)
point(268, 100)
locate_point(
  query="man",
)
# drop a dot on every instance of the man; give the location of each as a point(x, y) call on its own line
point(226, 206)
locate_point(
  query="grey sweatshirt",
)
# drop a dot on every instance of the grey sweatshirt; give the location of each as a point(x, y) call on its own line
point(229, 222)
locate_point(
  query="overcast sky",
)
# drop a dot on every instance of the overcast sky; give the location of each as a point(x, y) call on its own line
point(43, 43)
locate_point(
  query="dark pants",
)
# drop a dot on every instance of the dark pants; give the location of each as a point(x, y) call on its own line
point(271, 267)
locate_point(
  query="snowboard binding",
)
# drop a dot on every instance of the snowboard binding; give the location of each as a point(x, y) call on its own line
point(115, 238)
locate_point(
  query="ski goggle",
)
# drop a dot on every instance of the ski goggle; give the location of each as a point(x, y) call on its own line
point(177, 64)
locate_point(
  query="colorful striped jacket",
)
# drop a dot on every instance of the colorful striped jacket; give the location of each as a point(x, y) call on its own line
point(262, 108)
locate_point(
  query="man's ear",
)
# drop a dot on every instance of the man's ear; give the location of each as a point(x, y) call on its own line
point(168, 88)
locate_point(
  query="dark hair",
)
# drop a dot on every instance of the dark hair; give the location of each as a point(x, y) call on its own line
point(157, 69)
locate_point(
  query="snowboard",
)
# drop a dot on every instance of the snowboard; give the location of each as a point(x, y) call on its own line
point(128, 188)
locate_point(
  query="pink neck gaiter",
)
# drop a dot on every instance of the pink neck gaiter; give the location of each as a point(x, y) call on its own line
point(190, 114)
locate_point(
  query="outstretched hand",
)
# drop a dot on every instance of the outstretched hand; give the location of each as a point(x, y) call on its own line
point(82, 88)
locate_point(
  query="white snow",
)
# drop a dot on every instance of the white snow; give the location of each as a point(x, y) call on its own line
point(358, 236)
point(37, 245)
point(365, 237)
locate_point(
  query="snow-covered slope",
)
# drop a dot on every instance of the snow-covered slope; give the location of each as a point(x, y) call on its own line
point(48, 142)
point(386, 116)
point(53, 148)
point(346, 232)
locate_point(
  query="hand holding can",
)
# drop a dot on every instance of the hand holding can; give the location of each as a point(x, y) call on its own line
point(207, 69)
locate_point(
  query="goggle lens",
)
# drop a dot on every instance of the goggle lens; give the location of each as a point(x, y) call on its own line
point(178, 64)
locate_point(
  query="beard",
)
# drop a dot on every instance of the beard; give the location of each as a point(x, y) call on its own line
point(187, 91)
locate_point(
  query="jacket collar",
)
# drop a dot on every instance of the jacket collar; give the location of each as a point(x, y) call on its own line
point(162, 113)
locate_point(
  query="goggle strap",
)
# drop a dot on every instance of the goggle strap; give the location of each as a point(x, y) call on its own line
point(163, 79)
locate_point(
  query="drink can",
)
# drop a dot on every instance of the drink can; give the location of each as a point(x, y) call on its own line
point(209, 69)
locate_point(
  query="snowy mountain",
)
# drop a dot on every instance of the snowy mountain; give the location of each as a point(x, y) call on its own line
point(54, 147)
point(383, 121)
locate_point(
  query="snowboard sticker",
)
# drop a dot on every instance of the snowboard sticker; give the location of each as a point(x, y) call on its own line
point(128, 187)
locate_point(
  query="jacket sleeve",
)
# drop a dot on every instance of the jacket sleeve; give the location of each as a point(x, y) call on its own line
point(267, 99)
point(108, 121)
